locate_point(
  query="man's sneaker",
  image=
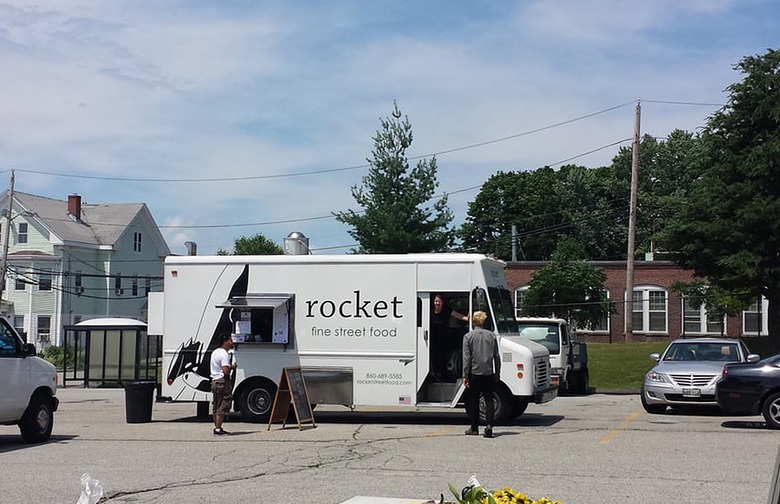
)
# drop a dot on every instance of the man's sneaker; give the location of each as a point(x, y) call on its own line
point(488, 432)
point(472, 432)
point(221, 432)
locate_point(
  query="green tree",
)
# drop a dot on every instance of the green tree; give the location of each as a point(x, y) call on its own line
point(568, 287)
point(253, 245)
point(396, 217)
point(524, 199)
point(593, 210)
point(547, 206)
point(666, 171)
point(727, 225)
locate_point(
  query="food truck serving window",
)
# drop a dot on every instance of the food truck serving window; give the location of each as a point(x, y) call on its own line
point(261, 318)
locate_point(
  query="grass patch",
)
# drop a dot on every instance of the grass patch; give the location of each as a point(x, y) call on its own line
point(621, 366)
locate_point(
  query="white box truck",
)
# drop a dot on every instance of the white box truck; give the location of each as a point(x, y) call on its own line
point(358, 325)
point(568, 357)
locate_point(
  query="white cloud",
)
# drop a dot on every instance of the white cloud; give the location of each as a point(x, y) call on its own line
point(196, 90)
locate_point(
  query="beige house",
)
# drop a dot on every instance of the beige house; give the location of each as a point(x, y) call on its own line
point(69, 261)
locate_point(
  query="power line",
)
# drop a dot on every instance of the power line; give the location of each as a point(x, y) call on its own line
point(697, 104)
point(328, 170)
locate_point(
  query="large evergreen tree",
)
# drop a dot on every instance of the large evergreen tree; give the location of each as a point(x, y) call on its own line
point(397, 216)
point(727, 227)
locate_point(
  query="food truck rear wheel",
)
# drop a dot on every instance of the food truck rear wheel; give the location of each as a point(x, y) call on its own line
point(256, 399)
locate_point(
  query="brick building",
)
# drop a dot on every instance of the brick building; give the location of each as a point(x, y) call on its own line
point(659, 313)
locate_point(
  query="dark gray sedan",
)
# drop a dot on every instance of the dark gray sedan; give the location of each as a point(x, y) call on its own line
point(687, 371)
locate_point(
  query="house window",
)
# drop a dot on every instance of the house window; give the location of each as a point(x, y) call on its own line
point(19, 326)
point(22, 235)
point(650, 309)
point(19, 283)
point(754, 318)
point(520, 293)
point(118, 285)
point(44, 280)
point(700, 321)
point(44, 328)
point(135, 286)
point(148, 285)
point(79, 285)
point(136, 242)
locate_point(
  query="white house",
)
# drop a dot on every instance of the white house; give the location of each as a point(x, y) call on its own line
point(69, 261)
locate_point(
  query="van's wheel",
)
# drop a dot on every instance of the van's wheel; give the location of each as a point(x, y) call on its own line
point(502, 405)
point(38, 420)
point(653, 409)
point(771, 411)
point(257, 399)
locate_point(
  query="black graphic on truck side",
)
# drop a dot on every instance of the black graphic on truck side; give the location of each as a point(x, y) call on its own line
point(190, 360)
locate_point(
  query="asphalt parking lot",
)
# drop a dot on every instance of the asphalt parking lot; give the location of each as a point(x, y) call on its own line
point(595, 449)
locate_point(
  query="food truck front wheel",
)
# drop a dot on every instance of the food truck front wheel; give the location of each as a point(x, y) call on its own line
point(502, 405)
point(256, 398)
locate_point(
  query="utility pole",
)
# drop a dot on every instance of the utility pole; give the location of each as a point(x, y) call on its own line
point(629, 305)
point(6, 237)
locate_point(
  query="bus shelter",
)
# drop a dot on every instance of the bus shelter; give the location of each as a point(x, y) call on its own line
point(106, 352)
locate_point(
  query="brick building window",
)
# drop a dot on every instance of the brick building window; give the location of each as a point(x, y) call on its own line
point(519, 297)
point(602, 326)
point(754, 319)
point(650, 310)
point(700, 321)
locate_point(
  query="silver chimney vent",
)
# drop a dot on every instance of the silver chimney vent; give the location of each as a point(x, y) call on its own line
point(296, 244)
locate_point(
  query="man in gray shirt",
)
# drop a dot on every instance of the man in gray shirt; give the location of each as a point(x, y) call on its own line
point(481, 368)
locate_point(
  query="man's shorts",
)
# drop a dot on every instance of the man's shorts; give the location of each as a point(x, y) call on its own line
point(223, 398)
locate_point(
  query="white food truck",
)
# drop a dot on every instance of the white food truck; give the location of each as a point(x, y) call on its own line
point(359, 326)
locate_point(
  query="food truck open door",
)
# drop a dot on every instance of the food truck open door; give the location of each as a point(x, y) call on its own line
point(423, 337)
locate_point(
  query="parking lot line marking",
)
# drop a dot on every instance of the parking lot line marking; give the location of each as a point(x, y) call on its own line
point(612, 434)
point(442, 432)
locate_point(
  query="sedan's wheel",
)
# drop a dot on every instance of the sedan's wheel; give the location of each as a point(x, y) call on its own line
point(654, 409)
point(771, 411)
point(256, 400)
point(38, 420)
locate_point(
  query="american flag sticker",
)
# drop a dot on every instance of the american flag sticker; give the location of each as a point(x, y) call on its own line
point(404, 399)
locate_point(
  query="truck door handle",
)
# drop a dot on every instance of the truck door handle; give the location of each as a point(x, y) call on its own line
point(425, 335)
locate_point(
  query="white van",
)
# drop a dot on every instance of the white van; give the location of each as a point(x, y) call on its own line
point(360, 326)
point(28, 387)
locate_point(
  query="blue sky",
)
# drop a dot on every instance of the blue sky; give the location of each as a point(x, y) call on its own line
point(244, 117)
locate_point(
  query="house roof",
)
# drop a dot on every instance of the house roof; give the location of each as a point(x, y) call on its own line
point(100, 223)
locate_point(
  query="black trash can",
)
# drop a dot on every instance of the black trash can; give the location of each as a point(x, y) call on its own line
point(139, 397)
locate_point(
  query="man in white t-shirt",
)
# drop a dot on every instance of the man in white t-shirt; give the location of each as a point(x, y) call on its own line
point(221, 385)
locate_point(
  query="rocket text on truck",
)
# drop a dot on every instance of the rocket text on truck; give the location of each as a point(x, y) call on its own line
point(359, 326)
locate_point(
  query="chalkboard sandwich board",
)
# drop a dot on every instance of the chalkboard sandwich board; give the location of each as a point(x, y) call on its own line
point(292, 390)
